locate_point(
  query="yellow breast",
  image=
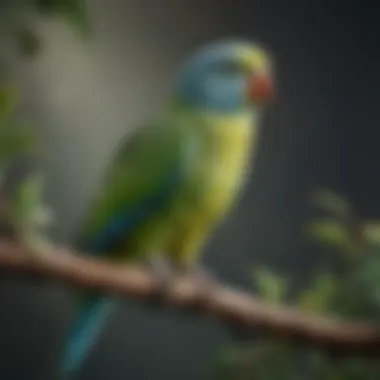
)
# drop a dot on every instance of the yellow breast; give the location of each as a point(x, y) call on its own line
point(226, 161)
point(218, 175)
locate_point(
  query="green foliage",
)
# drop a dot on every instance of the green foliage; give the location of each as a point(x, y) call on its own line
point(340, 229)
point(26, 210)
point(27, 202)
point(360, 284)
point(272, 360)
point(29, 213)
point(352, 292)
point(226, 364)
point(27, 41)
point(74, 11)
point(9, 97)
point(15, 139)
point(275, 359)
point(271, 287)
point(332, 203)
point(331, 232)
point(26, 207)
point(49, 6)
point(371, 232)
point(322, 294)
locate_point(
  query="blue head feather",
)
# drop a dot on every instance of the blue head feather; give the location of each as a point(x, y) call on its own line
point(213, 80)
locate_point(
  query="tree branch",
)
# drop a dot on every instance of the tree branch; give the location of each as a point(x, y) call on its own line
point(233, 306)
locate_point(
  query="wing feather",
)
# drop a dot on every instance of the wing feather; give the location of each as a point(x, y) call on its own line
point(143, 178)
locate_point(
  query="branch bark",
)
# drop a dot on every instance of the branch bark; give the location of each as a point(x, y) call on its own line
point(232, 306)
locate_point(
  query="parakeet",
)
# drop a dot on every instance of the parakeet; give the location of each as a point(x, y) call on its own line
point(173, 182)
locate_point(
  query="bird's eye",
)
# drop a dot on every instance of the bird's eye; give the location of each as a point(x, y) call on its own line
point(229, 67)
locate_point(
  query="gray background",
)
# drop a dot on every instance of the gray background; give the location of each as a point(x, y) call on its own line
point(323, 130)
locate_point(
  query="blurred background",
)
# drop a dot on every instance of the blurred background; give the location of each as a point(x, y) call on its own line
point(83, 97)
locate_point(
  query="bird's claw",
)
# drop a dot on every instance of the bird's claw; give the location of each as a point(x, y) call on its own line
point(205, 280)
point(163, 274)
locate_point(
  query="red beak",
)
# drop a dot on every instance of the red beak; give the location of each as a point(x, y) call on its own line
point(261, 89)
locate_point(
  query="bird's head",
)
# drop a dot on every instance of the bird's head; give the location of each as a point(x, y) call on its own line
point(227, 77)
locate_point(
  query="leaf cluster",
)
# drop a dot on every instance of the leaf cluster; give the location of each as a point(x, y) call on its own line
point(352, 291)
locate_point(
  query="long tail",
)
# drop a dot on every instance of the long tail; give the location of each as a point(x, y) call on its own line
point(92, 314)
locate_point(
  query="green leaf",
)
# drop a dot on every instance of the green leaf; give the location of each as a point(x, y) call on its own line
point(9, 97)
point(332, 203)
point(27, 198)
point(330, 232)
point(15, 140)
point(75, 11)
point(30, 215)
point(271, 287)
point(367, 277)
point(321, 295)
point(225, 364)
point(371, 232)
point(27, 42)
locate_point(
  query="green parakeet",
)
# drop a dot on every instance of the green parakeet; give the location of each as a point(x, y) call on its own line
point(174, 181)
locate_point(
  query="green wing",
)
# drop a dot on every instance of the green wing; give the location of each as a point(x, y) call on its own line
point(145, 174)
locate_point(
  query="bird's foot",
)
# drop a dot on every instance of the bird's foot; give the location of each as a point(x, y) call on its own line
point(205, 281)
point(163, 274)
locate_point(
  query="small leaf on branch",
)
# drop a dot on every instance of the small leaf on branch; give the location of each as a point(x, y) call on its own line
point(271, 287)
point(27, 201)
point(335, 234)
point(30, 215)
point(9, 97)
point(332, 203)
point(321, 295)
point(371, 232)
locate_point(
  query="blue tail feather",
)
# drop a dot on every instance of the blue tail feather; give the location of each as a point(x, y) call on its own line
point(88, 322)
